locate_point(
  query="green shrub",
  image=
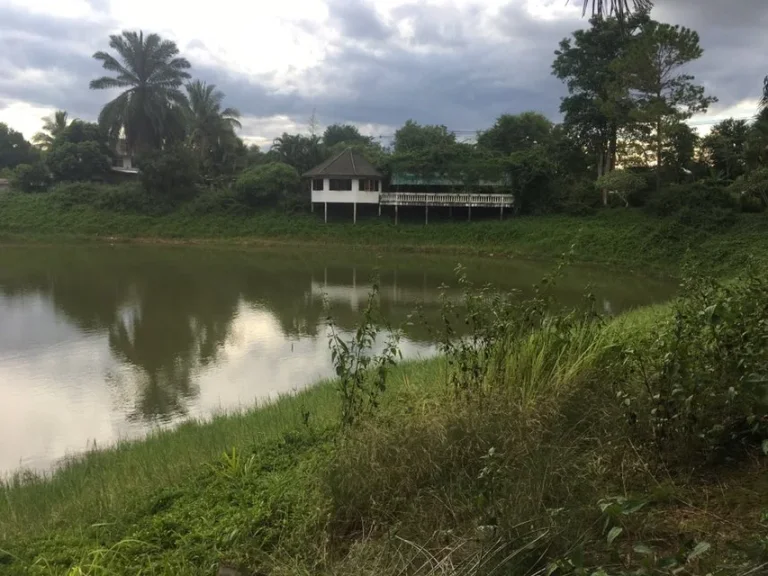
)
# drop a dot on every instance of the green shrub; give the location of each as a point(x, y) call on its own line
point(267, 184)
point(171, 175)
point(128, 197)
point(622, 184)
point(703, 380)
point(215, 202)
point(752, 190)
point(581, 199)
point(83, 161)
point(708, 204)
point(31, 178)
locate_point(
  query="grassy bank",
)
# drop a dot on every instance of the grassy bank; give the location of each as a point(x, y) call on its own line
point(558, 445)
point(626, 238)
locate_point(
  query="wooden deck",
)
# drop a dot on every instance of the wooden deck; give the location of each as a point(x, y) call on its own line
point(450, 200)
point(446, 199)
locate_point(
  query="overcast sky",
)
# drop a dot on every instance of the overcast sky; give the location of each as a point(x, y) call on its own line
point(374, 64)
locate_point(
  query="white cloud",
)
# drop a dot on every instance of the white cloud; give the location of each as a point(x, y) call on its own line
point(23, 117)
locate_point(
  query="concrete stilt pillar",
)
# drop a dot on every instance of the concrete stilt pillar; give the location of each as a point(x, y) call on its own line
point(426, 214)
point(312, 207)
point(379, 208)
point(354, 213)
point(396, 210)
point(450, 211)
point(469, 215)
point(501, 212)
point(326, 211)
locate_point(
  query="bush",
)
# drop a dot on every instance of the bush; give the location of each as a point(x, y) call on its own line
point(708, 204)
point(31, 178)
point(128, 197)
point(581, 199)
point(622, 184)
point(83, 161)
point(268, 184)
point(752, 190)
point(170, 175)
point(215, 202)
point(704, 390)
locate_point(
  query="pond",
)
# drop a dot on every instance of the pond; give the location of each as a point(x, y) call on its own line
point(99, 343)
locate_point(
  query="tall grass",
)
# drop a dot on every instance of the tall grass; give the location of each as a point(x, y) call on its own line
point(541, 463)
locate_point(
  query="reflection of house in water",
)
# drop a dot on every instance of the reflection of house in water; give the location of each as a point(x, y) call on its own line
point(356, 294)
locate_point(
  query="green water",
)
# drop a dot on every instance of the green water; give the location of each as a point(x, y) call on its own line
point(99, 343)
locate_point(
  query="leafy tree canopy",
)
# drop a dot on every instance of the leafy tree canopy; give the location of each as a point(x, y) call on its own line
point(14, 149)
point(513, 132)
point(344, 133)
point(412, 136)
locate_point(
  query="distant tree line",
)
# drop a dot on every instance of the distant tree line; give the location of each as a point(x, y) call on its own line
point(624, 139)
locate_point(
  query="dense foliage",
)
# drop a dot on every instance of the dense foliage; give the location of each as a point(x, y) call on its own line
point(623, 142)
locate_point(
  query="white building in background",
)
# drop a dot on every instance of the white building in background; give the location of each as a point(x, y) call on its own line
point(347, 178)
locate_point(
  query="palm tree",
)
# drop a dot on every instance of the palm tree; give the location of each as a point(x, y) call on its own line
point(152, 73)
point(764, 99)
point(52, 127)
point(618, 7)
point(207, 123)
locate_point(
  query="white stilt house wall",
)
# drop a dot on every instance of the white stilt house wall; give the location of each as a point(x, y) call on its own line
point(346, 178)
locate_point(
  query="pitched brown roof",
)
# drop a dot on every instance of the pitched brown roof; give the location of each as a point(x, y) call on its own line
point(348, 163)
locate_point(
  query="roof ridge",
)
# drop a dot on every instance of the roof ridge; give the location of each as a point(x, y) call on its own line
point(352, 159)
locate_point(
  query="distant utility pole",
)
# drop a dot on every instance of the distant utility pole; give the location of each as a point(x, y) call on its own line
point(314, 125)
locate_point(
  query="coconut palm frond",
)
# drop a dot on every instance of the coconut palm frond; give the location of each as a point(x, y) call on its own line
point(618, 8)
point(151, 73)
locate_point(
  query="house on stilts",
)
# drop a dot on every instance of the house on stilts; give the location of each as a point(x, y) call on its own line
point(348, 178)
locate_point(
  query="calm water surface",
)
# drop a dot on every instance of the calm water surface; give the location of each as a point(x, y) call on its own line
point(102, 343)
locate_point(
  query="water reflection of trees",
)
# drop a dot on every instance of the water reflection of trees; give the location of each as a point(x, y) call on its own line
point(169, 312)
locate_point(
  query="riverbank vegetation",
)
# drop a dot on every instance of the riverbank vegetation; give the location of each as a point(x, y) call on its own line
point(623, 144)
point(629, 239)
point(548, 442)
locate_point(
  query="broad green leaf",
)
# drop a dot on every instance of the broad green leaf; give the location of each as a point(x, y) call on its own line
point(643, 549)
point(700, 549)
point(614, 533)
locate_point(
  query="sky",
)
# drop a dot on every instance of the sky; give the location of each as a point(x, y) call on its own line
point(460, 63)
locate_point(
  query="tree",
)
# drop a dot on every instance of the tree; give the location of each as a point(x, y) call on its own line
point(14, 149)
point(52, 127)
point(679, 149)
point(598, 106)
point(664, 94)
point(344, 133)
point(79, 153)
point(210, 128)
point(412, 136)
point(621, 8)
point(726, 147)
point(169, 175)
point(152, 73)
point(301, 152)
point(31, 177)
point(622, 183)
point(267, 184)
point(77, 162)
point(764, 99)
point(515, 132)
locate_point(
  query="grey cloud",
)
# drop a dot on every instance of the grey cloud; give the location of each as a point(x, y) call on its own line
point(358, 20)
point(459, 70)
point(733, 37)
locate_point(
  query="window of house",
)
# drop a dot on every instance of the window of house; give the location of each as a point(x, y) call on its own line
point(341, 185)
point(369, 185)
point(317, 184)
